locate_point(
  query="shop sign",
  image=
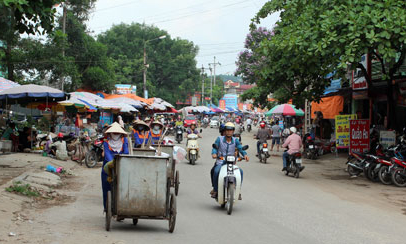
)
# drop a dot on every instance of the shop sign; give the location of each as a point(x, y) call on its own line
point(342, 130)
point(358, 79)
point(387, 138)
point(359, 135)
point(222, 104)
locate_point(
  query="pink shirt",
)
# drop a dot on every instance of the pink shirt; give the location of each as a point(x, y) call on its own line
point(294, 142)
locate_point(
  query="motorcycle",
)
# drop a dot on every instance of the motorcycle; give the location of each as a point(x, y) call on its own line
point(95, 153)
point(294, 164)
point(311, 149)
point(263, 152)
point(356, 163)
point(249, 127)
point(229, 181)
point(192, 148)
point(398, 172)
point(179, 133)
point(171, 130)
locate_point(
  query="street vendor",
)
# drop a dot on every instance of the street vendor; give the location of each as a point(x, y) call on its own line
point(60, 145)
point(140, 133)
point(116, 143)
point(156, 131)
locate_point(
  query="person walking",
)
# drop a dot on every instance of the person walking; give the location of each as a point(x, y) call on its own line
point(276, 135)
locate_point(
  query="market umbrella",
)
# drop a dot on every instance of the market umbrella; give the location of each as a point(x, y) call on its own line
point(31, 90)
point(285, 109)
point(7, 84)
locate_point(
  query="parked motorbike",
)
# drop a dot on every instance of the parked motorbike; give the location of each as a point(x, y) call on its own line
point(192, 148)
point(355, 163)
point(95, 153)
point(179, 133)
point(229, 181)
point(263, 152)
point(398, 172)
point(294, 164)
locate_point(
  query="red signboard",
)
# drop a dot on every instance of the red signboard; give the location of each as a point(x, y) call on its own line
point(359, 135)
point(222, 104)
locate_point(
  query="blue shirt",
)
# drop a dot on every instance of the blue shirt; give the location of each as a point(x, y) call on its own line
point(233, 140)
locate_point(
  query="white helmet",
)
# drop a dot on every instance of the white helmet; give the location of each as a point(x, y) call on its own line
point(293, 129)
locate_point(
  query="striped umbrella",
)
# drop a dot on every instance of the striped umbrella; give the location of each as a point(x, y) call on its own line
point(6, 84)
point(285, 109)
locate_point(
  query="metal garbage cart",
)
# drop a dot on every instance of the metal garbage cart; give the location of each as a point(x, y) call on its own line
point(141, 190)
point(174, 174)
point(144, 151)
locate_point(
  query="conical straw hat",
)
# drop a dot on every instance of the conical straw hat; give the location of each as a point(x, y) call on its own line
point(116, 128)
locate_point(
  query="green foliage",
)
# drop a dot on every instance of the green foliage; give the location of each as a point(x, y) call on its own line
point(22, 17)
point(233, 78)
point(25, 190)
point(172, 72)
point(314, 38)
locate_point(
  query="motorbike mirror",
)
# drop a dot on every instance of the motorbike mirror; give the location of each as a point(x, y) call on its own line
point(245, 147)
point(215, 146)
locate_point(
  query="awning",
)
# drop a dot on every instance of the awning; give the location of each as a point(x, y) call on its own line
point(329, 106)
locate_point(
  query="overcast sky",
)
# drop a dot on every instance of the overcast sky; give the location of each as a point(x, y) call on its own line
point(218, 27)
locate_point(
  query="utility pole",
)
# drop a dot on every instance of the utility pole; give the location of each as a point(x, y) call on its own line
point(202, 85)
point(211, 84)
point(63, 48)
point(145, 70)
point(214, 68)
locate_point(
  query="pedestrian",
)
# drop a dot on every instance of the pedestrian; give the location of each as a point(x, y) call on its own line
point(276, 135)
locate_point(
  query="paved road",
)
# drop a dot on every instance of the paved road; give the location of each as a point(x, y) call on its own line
point(275, 209)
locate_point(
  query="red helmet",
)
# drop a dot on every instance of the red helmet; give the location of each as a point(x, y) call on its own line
point(193, 123)
point(262, 124)
point(60, 135)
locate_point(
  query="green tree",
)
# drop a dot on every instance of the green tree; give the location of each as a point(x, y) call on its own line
point(315, 38)
point(172, 72)
point(19, 17)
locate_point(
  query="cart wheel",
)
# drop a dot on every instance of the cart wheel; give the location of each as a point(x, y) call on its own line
point(108, 214)
point(172, 213)
point(177, 182)
point(135, 221)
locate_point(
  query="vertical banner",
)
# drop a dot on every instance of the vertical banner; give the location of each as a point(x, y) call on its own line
point(343, 130)
point(222, 104)
point(359, 135)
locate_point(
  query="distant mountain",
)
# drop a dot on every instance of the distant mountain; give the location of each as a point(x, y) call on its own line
point(230, 77)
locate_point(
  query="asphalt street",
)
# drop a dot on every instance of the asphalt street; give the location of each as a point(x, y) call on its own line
point(275, 209)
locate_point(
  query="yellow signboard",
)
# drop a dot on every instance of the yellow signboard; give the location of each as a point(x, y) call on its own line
point(343, 130)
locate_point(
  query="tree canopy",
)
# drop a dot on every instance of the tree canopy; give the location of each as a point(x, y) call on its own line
point(316, 38)
point(172, 72)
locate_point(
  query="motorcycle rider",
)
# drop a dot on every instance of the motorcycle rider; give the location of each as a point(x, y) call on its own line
point(293, 143)
point(140, 133)
point(179, 122)
point(262, 136)
point(249, 122)
point(226, 144)
point(193, 130)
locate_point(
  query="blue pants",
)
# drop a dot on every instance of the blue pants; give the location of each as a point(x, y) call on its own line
point(285, 157)
point(258, 145)
point(215, 171)
point(106, 186)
